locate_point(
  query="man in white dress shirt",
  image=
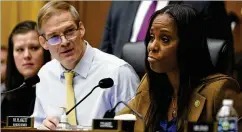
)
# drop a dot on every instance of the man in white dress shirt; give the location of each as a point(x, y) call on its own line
point(4, 54)
point(61, 32)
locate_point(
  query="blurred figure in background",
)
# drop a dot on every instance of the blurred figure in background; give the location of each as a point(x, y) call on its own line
point(127, 21)
point(25, 58)
point(4, 53)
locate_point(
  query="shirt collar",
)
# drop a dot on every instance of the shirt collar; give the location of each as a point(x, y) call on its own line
point(83, 66)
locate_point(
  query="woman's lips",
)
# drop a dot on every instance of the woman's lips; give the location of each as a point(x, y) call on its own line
point(151, 59)
point(26, 65)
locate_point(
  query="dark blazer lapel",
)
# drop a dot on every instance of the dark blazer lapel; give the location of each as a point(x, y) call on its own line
point(195, 107)
point(198, 101)
point(129, 15)
point(144, 103)
point(127, 24)
point(142, 107)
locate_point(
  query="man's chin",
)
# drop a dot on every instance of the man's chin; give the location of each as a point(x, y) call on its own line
point(68, 62)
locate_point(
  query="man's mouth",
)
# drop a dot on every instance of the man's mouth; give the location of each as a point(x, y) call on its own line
point(66, 51)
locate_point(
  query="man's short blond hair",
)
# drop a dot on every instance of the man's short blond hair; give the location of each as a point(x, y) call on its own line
point(54, 7)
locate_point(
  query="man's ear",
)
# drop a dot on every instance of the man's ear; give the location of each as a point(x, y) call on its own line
point(82, 29)
point(43, 43)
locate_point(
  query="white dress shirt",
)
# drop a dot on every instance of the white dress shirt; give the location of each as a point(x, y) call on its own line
point(140, 15)
point(2, 89)
point(94, 66)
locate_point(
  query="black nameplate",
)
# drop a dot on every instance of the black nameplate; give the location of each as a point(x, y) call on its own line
point(20, 121)
point(201, 127)
point(107, 124)
point(128, 125)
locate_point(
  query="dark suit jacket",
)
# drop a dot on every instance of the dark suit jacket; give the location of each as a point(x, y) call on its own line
point(209, 94)
point(121, 16)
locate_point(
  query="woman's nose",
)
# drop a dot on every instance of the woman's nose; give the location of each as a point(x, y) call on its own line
point(27, 54)
point(153, 47)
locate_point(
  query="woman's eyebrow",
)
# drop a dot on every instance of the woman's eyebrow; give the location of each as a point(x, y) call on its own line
point(165, 30)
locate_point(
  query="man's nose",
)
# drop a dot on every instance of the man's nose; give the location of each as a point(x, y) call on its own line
point(64, 40)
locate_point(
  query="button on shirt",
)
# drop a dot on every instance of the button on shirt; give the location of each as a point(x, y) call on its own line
point(94, 66)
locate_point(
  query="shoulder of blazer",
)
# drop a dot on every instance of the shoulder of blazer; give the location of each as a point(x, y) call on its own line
point(205, 89)
point(213, 78)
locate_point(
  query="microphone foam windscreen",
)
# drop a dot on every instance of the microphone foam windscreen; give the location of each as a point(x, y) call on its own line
point(32, 80)
point(106, 83)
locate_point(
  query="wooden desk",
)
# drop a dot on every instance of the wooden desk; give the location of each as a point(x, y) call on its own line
point(35, 130)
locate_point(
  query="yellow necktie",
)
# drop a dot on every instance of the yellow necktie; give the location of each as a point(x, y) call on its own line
point(70, 98)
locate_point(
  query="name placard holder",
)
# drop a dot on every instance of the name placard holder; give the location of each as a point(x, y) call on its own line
point(201, 126)
point(111, 124)
point(20, 122)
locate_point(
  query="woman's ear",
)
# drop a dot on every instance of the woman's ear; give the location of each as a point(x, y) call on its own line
point(82, 29)
point(43, 43)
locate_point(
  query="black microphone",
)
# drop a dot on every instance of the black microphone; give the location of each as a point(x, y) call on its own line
point(104, 83)
point(31, 81)
point(111, 113)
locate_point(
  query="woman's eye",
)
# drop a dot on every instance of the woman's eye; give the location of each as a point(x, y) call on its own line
point(152, 38)
point(165, 39)
point(34, 48)
point(19, 49)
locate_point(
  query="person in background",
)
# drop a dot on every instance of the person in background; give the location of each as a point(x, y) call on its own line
point(25, 58)
point(181, 83)
point(4, 53)
point(76, 68)
point(127, 21)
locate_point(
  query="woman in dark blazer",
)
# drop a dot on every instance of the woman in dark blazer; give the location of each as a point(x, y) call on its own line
point(181, 83)
point(25, 58)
